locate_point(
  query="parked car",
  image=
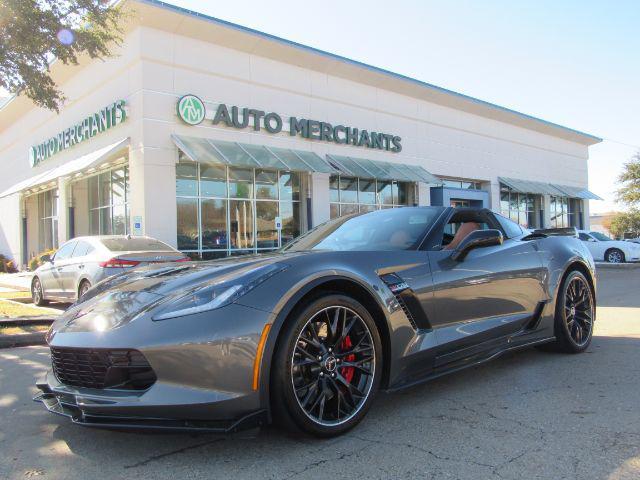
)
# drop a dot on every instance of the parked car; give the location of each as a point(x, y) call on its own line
point(606, 249)
point(307, 335)
point(84, 261)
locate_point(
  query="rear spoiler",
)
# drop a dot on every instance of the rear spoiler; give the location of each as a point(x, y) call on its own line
point(554, 232)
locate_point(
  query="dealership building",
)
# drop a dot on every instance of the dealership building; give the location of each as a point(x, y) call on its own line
point(222, 140)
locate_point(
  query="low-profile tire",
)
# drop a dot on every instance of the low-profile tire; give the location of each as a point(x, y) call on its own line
point(614, 255)
point(327, 366)
point(575, 314)
point(37, 294)
point(85, 285)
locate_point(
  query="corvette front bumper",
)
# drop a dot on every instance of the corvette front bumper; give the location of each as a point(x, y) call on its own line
point(131, 411)
point(202, 372)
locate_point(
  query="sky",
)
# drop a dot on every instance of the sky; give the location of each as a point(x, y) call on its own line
point(576, 63)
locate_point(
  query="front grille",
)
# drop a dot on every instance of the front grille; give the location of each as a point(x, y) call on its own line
point(102, 368)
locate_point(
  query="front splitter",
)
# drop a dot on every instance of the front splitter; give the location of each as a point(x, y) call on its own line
point(66, 406)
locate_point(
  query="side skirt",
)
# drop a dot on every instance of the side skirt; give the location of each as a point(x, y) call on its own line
point(471, 363)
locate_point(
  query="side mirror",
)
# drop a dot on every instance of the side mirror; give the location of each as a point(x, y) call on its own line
point(46, 258)
point(477, 239)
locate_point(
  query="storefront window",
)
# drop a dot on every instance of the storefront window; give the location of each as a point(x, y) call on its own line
point(461, 183)
point(232, 211)
point(519, 207)
point(48, 220)
point(566, 212)
point(349, 195)
point(109, 202)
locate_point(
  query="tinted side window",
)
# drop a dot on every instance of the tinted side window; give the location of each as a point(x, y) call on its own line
point(82, 249)
point(584, 237)
point(65, 251)
point(511, 229)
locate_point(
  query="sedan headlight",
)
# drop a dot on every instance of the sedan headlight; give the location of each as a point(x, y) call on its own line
point(216, 295)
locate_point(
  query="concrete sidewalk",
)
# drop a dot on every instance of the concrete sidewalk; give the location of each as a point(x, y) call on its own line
point(16, 281)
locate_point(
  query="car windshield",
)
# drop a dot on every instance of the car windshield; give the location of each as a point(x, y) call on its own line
point(135, 244)
point(600, 237)
point(392, 229)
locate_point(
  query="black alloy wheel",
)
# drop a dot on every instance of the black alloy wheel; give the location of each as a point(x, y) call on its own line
point(575, 314)
point(332, 366)
point(37, 294)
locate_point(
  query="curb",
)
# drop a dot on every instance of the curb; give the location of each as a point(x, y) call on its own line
point(617, 266)
point(22, 340)
point(14, 287)
point(25, 321)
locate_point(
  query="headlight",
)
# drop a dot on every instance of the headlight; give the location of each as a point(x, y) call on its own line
point(216, 295)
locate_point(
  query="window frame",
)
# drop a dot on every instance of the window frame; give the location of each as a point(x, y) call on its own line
point(228, 250)
point(104, 207)
point(347, 208)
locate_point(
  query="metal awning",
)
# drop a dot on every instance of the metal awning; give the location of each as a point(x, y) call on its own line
point(206, 150)
point(529, 186)
point(577, 192)
point(90, 160)
point(234, 154)
point(366, 168)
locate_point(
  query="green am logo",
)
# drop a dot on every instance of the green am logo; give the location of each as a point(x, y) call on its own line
point(191, 109)
point(33, 160)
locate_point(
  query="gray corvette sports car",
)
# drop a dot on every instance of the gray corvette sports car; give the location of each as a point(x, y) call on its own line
point(306, 336)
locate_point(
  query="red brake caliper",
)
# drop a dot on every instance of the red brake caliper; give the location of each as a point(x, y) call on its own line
point(347, 372)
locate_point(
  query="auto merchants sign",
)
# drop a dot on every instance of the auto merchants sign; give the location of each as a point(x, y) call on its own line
point(90, 126)
point(192, 111)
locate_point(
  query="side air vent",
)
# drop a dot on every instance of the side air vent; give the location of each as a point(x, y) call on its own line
point(406, 300)
point(406, 310)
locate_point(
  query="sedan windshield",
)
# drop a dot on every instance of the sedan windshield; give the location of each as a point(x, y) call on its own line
point(601, 237)
point(393, 229)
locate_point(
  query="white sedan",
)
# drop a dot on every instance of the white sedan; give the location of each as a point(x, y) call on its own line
point(606, 249)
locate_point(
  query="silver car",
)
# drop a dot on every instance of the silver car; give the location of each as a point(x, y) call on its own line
point(84, 261)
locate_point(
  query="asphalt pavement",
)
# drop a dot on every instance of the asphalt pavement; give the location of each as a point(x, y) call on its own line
point(529, 414)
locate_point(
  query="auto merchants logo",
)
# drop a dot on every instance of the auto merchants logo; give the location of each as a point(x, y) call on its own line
point(191, 109)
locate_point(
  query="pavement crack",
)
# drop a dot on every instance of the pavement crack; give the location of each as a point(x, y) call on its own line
point(424, 450)
point(316, 464)
point(160, 456)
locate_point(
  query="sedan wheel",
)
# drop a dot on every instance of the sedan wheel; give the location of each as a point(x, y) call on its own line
point(36, 292)
point(84, 288)
point(332, 366)
point(615, 256)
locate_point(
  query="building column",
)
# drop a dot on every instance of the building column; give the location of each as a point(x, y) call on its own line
point(494, 196)
point(586, 221)
point(320, 211)
point(424, 194)
point(546, 206)
point(24, 247)
point(152, 177)
point(64, 201)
